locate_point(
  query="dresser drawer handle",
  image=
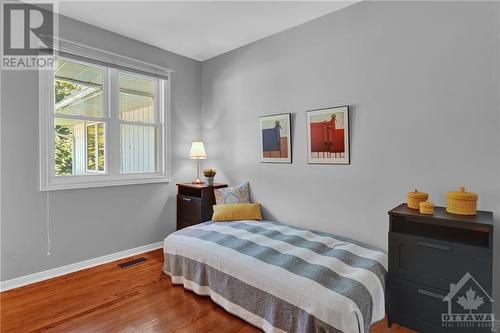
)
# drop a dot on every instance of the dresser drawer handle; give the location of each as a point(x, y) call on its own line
point(430, 294)
point(435, 246)
point(186, 199)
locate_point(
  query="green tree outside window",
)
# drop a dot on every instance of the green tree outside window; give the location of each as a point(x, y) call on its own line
point(64, 134)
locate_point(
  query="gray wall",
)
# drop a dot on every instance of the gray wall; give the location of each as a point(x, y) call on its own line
point(423, 83)
point(86, 223)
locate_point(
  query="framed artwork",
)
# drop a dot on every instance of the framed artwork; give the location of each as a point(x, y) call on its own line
point(328, 135)
point(275, 138)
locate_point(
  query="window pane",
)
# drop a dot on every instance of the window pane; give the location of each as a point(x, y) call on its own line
point(78, 89)
point(91, 153)
point(63, 149)
point(69, 147)
point(100, 146)
point(137, 149)
point(137, 98)
point(95, 147)
point(75, 147)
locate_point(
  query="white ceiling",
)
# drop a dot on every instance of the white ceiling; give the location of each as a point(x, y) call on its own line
point(198, 29)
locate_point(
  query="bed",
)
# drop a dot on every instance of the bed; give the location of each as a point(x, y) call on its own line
point(281, 278)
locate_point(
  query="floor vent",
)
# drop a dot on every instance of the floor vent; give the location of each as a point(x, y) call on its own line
point(131, 263)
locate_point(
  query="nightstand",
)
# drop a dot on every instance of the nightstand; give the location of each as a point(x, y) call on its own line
point(194, 203)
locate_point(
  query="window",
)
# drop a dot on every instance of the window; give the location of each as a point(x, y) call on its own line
point(102, 125)
point(138, 122)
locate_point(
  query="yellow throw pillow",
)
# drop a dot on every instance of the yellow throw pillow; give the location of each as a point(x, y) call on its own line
point(235, 212)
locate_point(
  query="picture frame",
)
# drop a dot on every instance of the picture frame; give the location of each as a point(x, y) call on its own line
point(328, 135)
point(276, 138)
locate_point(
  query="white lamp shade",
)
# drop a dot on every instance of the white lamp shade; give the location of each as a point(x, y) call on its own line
point(197, 151)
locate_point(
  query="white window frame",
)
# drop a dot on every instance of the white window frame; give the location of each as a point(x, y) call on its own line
point(111, 176)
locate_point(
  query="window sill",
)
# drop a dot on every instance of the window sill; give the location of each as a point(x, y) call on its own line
point(76, 182)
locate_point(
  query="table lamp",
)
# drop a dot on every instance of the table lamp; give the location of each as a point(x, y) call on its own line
point(197, 153)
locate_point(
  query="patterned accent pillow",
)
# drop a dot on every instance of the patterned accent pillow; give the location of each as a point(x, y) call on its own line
point(237, 194)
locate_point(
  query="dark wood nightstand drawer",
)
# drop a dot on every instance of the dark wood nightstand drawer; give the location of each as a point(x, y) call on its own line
point(436, 263)
point(189, 208)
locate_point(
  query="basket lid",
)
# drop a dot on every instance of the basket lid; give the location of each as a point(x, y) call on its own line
point(462, 195)
point(426, 204)
point(418, 195)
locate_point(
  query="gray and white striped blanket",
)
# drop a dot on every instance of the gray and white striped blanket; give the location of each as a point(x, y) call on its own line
point(281, 278)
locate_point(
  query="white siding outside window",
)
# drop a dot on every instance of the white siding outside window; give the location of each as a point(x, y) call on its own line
point(137, 146)
point(79, 148)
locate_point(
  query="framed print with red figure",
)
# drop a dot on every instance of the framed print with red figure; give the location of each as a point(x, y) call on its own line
point(328, 135)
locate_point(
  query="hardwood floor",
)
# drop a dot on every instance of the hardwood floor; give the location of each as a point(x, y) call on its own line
point(107, 298)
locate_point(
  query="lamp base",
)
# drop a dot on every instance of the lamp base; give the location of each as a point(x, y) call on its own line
point(197, 180)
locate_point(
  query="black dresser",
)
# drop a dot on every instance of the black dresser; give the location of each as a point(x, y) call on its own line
point(427, 253)
point(194, 203)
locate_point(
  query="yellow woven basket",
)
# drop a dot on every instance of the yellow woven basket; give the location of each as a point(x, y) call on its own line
point(426, 207)
point(416, 197)
point(461, 202)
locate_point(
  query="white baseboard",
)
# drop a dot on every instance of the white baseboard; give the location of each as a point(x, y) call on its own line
point(63, 270)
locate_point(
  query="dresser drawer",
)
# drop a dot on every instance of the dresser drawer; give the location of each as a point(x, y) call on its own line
point(437, 263)
point(417, 306)
point(189, 208)
point(184, 223)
